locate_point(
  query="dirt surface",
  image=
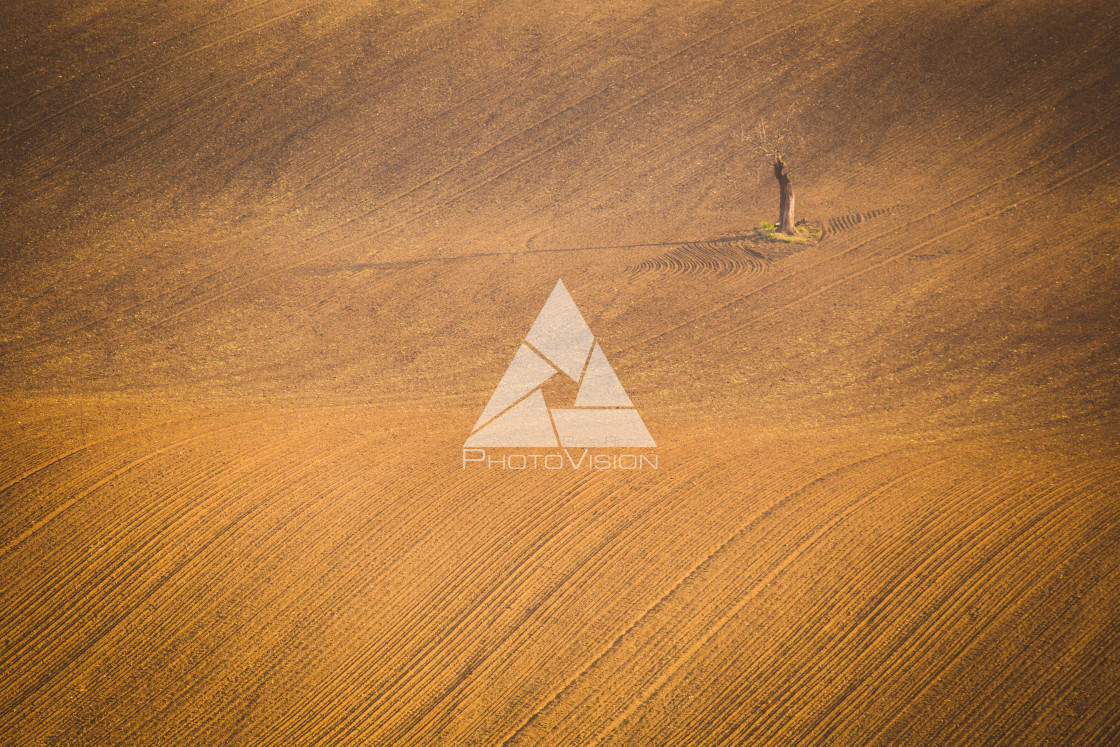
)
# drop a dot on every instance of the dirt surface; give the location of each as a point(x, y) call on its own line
point(263, 264)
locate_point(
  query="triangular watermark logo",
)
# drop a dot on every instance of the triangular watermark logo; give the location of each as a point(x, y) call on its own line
point(559, 342)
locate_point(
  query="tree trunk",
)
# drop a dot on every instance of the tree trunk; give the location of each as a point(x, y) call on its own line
point(785, 198)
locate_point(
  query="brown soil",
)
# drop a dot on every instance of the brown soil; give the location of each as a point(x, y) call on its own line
point(264, 262)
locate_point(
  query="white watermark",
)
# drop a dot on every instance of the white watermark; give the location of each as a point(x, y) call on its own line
point(563, 459)
point(517, 416)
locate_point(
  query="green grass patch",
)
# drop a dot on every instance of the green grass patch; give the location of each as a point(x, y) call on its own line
point(805, 234)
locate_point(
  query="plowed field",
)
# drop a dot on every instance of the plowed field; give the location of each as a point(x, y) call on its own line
point(263, 263)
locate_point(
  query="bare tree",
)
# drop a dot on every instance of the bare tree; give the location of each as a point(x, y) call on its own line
point(772, 146)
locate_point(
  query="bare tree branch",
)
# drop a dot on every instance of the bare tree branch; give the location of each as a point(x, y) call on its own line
point(773, 144)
